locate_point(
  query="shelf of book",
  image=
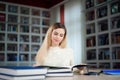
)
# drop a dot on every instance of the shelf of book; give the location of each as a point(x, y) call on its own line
point(22, 30)
point(103, 33)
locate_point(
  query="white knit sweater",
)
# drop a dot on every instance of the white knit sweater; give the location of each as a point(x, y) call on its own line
point(59, 57)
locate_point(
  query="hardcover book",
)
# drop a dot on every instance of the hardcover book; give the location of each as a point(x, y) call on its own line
point(22, 70)
point(26, 77)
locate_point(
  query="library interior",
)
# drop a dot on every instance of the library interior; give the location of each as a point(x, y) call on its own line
point(93, 32)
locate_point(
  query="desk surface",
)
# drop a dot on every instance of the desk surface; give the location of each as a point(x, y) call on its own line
point(87, 77)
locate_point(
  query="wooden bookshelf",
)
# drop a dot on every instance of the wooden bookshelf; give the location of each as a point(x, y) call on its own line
point(22, 29)
point(103, 33)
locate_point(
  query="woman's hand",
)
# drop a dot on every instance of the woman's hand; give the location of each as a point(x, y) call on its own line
point(34, 65)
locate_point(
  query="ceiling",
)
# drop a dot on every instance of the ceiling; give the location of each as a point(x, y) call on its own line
point(36, 3)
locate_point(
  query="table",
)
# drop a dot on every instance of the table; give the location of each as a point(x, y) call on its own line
point(87, 77)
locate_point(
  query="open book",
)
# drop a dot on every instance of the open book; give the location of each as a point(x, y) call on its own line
point(80, 66)
point(62, 71)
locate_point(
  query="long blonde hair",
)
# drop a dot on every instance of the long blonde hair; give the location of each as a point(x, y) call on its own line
point(42, 52)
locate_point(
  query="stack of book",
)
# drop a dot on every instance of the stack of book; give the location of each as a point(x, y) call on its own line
point(34, 73)
point(22, 72)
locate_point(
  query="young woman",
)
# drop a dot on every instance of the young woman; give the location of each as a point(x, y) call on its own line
point(53, 51)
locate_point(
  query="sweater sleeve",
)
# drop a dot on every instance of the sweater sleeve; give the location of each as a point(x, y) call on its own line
point(71, 57)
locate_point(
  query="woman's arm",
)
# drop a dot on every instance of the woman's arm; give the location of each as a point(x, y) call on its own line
point(71, 57)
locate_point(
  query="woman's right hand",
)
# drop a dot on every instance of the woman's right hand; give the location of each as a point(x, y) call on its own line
point(34, 65)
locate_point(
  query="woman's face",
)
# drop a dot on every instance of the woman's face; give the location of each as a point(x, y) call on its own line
point(57, 36)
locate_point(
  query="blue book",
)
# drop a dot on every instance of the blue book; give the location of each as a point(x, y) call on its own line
point(111, 72)
point(22, 70)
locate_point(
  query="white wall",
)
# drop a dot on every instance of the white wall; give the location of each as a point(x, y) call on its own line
point(75, 23)
point(55, 14)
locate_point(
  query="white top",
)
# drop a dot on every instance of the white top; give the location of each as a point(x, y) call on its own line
point(59, 57)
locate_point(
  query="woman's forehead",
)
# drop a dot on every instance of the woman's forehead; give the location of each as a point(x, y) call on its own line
point(59, 30)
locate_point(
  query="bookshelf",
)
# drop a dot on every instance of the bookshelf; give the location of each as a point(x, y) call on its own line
point(22, 30)
point(103, 33)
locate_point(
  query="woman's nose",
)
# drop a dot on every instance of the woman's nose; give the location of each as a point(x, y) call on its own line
point(57, 36)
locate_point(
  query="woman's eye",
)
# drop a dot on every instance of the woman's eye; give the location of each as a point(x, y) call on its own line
point(55, 33)
point(61, 35)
